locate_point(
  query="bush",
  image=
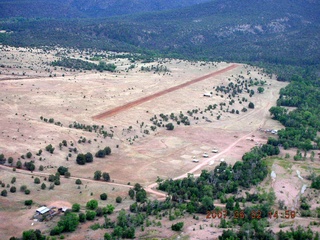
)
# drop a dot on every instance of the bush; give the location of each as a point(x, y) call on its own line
point(107, 150)
point(81, 159)
point(100, 154)
point(27, 192)
point(177, 227)
point(29, 155)
point(4, 193)
point(43, 186)
point(170, 126)
point(103, 196)
point(82, 217)
point(107, 236)
point(36, 180)
point(62, 170)
point(106, 176)
point(251, 105)
point(23, 188)
point(92, 204)
point(90, 215)
point(78, 182)
point(119, 199)
point(28, 202)
point(76, 207)
point(89, 157)
point(13, 189)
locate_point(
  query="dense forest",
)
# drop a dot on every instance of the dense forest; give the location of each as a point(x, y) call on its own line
point(240, 31)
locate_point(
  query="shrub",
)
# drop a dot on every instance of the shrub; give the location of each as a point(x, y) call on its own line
point(43, 186)
point(28, 202)
point(170, 126)
point(76, 207)
point(119, 199)
point(90, 215)
point(92, 204)
point(62, 170)
point(82, 217)
point(251, 105)
point(27, 192)
point(13, 189)
point(29, 155)
point(177, 227)
point(4, 193)
point(89, 157)
point(78, 182)
point(103, 196)
point(23, 188)
point(36, 180)
point(81, 159)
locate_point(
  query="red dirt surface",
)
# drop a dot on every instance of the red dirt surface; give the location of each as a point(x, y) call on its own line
point(137, 102)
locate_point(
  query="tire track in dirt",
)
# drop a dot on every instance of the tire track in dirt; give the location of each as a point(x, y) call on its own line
point(139, 101)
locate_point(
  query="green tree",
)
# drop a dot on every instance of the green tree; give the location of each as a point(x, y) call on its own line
point(29, 154)
point(100, 154)
point(82, 217)
point(106, 176)
point(4, 193)
point(251, 105)
point(177, 227)
point(97, 175)
point(90, 215)
point(19, 164)
point(13, 180)
point(62, 170)
point(33, 235)
point(170, 126)
point(81, 159)
point(119, 199)
point(43, 186)
point(69, 222)
point(103, 196)
point(13, 189)
point(10, 160)
point(92, 204)
point(131, 193)
point(36, 180)
point(28, 202)
point(89, 157)
point(76, 207)
point(78, 181)
point(107, 150)
point(260, 89)
point(109, 209)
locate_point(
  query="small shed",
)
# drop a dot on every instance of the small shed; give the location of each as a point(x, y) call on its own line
point(43, 210)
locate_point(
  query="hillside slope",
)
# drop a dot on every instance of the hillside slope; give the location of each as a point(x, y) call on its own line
point(282, 31)
point(86, 8)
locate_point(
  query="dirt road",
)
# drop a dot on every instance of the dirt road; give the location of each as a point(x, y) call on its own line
point(139, 101)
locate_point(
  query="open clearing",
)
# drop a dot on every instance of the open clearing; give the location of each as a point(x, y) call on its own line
point(31, 89)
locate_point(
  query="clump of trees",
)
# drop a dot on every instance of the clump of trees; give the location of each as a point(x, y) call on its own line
point(98, 174)
point(104, 152)
point(82, 159)
point(85, 65)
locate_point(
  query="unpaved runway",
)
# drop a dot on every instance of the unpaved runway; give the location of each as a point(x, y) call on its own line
point(137, 102)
